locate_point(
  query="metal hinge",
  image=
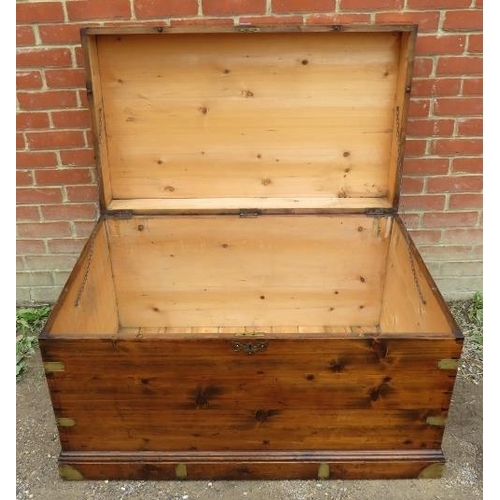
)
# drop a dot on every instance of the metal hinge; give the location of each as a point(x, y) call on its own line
point(379, 212)
point(242, 28)
point(88, 88)
point(253, 212)
point(121, 214)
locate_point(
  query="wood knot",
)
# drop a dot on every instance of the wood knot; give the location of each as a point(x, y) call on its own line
point(262, 415)
point(203, 110)
point(247, 93)
point(266, 182)
point(337, 366)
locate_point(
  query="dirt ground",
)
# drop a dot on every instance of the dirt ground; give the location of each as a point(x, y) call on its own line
point(38, 448)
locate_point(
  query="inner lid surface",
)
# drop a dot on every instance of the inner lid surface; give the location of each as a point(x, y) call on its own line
point(261, 115)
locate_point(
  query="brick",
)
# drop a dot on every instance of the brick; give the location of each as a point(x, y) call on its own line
point(206, 21)
point(423, 202)
point(467, 285)
point(284, 6)
point(47, 99)
point(233, 7)
point(43, 57)
point(33, 196)
point(24, 178)
point(35, 159)
point(145, 9)
point(432, 4)
point(25, 213)
point(422, 66)
point(33, 278)
point(426, 20)
point(371, 5)
point(426, 166)
point(83, 229)
point(454, 65)
point(472, 268)
point(412, 220)
point(414, 147)
point(444, 253)
point(39, 12)
point(71, 211)
point(447, 184)
point(470, 126)
point(24, 36)
point(45, 294)
point(419, 108)
point(412, 185)
point(60, 277)
point(80, 58)
point(67, 245)
point(449, 219)
point(97, 9)
point(425, 128)
point(457, 147)
point(71, 119)
point(271, 20)
point(82, 193)
point(24, 247)
point(44, 230)
point(50, 262)
point(467, 165)
point(60, 78)
point(427, 87)
point(55, 139)
point(431, 44)
point(422, 236)
point(77, 157)
point(466, 201)
point(29, 121)
point(61, 34)
point(475, 45)
point(465, 236)
point(63, 176)
point(23, 296)
point(473, 86)
point(20, 141)
point(465, 20)
point(334, 19)
point(458, 106)
point(28, 80)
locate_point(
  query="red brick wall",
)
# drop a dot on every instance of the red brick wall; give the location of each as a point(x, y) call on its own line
point(56, 190)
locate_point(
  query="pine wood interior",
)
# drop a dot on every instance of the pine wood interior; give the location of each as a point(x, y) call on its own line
point(201, 120)
point(226, 275)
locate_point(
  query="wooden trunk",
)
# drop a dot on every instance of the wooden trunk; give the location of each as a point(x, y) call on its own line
point(250, 304)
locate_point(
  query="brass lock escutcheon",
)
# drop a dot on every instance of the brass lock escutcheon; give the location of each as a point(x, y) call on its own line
point(249, 347)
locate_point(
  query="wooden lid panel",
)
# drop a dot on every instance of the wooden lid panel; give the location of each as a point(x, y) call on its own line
point(205, 116)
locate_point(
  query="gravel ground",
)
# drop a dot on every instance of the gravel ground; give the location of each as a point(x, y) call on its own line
point(38, 448)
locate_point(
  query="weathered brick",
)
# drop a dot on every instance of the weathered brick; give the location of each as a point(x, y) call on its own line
point(473, 86)
point(63, 176)
point(20, 141)
point(35, 195)
point(458, 106)
point(414, 147)
point(60, 277)
point(426, 166)
point(23, 178)
point(422, 66)
point(233, 7)
point(43, 230)
point(423, 236)
point(26, 80)
point(36, 159)
point(61, 78)
point(47, 99)
point(471, 147)
point(24, 36)
point(56, 139)
point(465, 20)
point(472, 268)
point(453, 184)
point(83, 229)
point(146, 9)
point(61, 34)
point(454, 65)
point(449, 219)
point(445, 253)
point(39, 12)
point(30, 247)
point(50, 262)
point(466, 201)
point(427, 87)
point(426, 20)
point(432, 4)
point(197, 21)
point(71, 119)
point(467, 165)
point(475, 45)
point(419, 108)
point(43, 57)
point(371, 5)
point(30, 121)
point(412, 185)
point(33, 278)
point(45, 294)
point(67, 245)
point(470, 126)
point(71, 211)
point(461, 287)
point(423, 202)
point(97, 9)
point(77, 157)
point(334, 19)
point(82, 193)
point(432, 44)
point(284, 6)
point(26, 213)
point(465, 236)
point(426, 128)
